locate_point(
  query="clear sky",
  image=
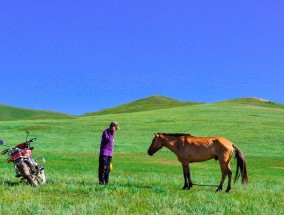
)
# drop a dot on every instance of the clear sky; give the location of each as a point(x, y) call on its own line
point(82, 56)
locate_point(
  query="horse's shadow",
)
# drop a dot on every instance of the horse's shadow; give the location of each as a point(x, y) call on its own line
point(138, 186)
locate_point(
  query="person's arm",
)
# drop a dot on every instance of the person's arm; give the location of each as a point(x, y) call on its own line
point(105, 138)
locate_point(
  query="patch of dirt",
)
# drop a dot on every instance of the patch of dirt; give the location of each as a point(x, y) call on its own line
point(277, 167)
point(261, 100)
point(169, 162)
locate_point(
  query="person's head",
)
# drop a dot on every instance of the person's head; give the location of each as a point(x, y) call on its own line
point(114, 126)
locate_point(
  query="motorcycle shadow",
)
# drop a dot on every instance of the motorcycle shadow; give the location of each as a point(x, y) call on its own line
point(11, 183)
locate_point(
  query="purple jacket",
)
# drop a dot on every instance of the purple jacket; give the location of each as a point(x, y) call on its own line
point(107, 142)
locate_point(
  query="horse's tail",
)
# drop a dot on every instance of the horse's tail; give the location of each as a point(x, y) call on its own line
point(241, 166)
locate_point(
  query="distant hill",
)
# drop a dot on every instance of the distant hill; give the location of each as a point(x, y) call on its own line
point(145, 104)
point(254, 102)
point(8, 113)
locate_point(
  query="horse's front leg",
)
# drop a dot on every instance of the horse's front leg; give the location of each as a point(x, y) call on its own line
point(187, 176)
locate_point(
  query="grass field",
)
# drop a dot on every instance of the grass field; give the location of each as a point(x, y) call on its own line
point(140, 184)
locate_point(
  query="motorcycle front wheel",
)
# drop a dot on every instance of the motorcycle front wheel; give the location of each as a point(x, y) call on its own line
point(41, 177)
point(32, 180)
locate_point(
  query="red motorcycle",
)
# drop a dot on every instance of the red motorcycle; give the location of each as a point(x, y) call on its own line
point(25, 166)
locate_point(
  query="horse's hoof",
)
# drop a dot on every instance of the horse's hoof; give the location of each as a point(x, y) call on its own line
point(228, 189)
point(218, 189)
point(186, 187)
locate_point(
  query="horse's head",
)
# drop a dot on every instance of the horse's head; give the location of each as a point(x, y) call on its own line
point(156, 145)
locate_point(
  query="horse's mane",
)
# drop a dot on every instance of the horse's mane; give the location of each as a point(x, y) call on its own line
point(175, 134)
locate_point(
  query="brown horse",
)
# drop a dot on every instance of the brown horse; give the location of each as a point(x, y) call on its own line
point(189, 149)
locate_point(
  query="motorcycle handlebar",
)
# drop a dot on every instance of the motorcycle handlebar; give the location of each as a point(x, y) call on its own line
point(4, 151)
point(27, 142)
point(31, 140)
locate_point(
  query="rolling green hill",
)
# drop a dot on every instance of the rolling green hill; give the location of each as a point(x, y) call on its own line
point(8, 113)
point(145, 104)
point(162, 102)
point(254, 102)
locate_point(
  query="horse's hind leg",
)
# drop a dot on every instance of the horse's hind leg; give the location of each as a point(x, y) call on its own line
point(224, 174)
point(229, 172)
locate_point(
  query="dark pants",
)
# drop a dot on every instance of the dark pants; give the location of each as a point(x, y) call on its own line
point(104, 169)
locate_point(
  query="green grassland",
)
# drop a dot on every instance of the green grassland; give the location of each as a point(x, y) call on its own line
point(140, 184)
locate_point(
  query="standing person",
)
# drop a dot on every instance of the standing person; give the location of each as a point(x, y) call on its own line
point(106, 150)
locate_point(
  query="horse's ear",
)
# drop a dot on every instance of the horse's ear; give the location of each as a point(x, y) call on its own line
point(157, 134)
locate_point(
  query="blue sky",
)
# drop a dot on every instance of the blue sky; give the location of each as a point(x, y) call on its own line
point(82, 56)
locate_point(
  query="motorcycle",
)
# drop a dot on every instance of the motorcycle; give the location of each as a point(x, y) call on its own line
point(27, 168)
